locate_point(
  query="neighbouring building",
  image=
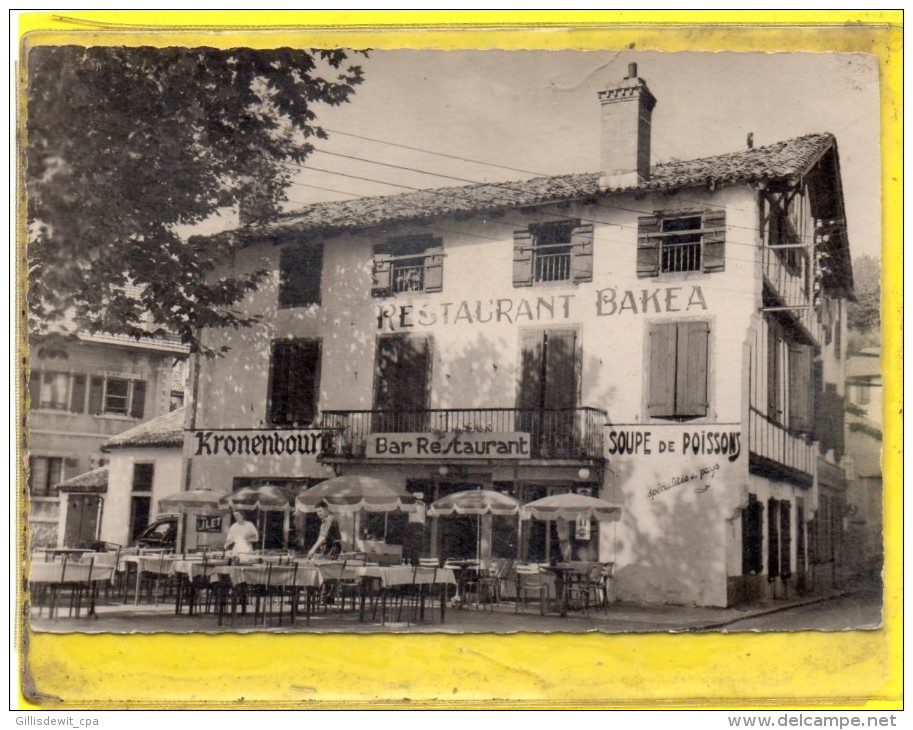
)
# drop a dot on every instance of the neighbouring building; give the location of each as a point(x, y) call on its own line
point(101, 386)
point(864, 472)
point(668, 337)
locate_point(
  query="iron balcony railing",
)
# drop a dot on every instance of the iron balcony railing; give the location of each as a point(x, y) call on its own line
point(554, 265)
point(681, 256)
point(561, 433)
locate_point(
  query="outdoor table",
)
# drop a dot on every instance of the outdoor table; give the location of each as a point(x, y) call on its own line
point(564, 574)
point(74, 553)
point(266, 577)
point(402, 575)
point(160, 564)
point(191, 571)
point(56, 574)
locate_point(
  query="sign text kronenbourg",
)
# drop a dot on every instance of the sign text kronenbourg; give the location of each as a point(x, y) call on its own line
point(453, 445)
point(257, 442)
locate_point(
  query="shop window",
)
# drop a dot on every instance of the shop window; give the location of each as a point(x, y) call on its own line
point(681, 242)
point(752, 537)
point(117, 396)
point(555, 251)
point(300, 273)
point(678, 370)
point(401, 383)
point(57, 391)
point(294, 377)
point(408, 264)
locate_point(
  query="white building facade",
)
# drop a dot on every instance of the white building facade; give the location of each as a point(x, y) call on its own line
point(655, 336)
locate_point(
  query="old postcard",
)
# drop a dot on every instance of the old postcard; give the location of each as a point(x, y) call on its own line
point(330, 337)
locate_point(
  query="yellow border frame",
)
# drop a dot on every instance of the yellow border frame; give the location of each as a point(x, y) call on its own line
point(850, 670)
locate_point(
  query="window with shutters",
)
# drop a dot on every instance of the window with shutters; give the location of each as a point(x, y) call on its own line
point(556, 251)
point(294, 381)
point(300, 272)
point(790, 379)
point(45, 473)
point(57, 391)
point(408, 264)
point(670, 243)
point(678, 370)
point(548, 392)
point(117, 397)
point(402, 378)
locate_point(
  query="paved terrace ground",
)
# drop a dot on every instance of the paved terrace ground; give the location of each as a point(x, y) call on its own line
point(113, 617)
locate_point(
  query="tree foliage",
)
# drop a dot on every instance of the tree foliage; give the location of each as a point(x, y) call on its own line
point(125, 145)
point(864, 315)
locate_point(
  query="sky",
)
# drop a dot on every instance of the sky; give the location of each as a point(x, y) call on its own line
point(536, 112)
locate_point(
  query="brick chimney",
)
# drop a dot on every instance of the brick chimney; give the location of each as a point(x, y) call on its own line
point(627, 112)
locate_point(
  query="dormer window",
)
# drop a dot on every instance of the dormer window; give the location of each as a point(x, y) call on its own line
point(553, 252)
point(671, 243)
point(408, 264)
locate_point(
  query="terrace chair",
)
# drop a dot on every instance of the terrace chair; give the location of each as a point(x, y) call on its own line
point(490, 584)
point(531, 581)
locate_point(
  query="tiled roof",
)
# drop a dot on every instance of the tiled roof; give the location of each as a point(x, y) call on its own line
point(167, 430)
point(95, 480)
point(780, 161)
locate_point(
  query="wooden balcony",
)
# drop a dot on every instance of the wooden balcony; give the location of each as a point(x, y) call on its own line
point(563, 434)
point(788, 277)
point(776, 451)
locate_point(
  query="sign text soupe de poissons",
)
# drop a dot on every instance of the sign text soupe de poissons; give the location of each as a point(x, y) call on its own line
point(512, 445)
point(611, 301)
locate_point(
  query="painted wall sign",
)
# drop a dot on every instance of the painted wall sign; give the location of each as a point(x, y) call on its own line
point(659, 300)
point(644, 441)
point(257, 442)
point(393, 317)
point(703, 474)
point(209, 523)
point(513, 445)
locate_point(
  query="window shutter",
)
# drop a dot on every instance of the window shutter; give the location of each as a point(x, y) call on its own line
point(303, 368)
point(279, 383)
point(34, 388)
point(691, 373)
point(561, 369)
point(78, 394)
point(582, 253)
point(773, 539)
point(785, 538)
point(523, 258)
point(714, 243)
point(647, 246)
point(801, 391)
point(773, 371)
point(96, 394)
point(434, 266)
point(531, 372)
point(138, 404)
point(382, 275)
point(661, 389)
